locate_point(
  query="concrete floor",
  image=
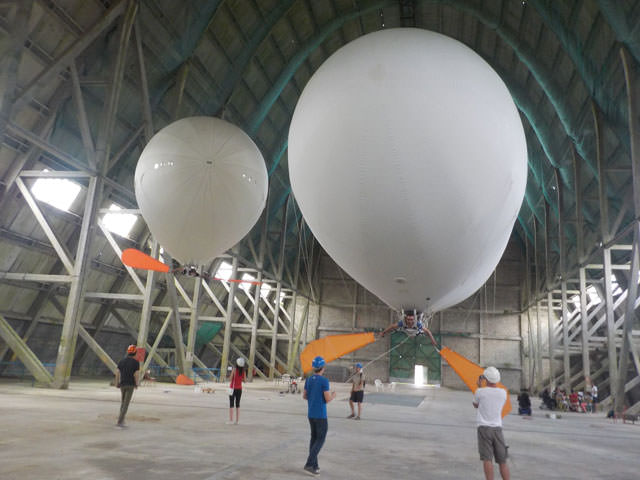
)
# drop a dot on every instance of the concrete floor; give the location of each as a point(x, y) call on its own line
point(176, 433)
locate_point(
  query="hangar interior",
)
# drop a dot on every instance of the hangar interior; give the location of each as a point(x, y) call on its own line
point(85, 84)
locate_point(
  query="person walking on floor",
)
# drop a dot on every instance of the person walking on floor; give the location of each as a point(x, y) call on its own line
point(489, 401)
point(235, 387)
point(127, 379)
point(317, 394)
point(357, 391)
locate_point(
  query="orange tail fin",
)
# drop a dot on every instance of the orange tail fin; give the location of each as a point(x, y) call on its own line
point(469, 373)
point(137, 259)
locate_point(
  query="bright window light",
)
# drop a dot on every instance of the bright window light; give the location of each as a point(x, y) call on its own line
point(282, 295)
point(265, 289)
point(224, 271)
point(246, 286)
point(58, 192)
point(576, 301)
point(615, 288)
point(418, 375)
point(119, 223)
point(594, 298)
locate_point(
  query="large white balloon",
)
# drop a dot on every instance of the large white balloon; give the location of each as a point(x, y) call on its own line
point(407, 157)
point(201, 184)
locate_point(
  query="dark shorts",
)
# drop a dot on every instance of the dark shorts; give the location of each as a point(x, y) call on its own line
point(491, 444)
point(237, 393)
point(356, 397)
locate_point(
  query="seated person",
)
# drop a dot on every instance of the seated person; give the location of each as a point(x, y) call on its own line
point(547, 400)
point(573, 401)
point(524, 403)
point(411, 324)
point(562, 402)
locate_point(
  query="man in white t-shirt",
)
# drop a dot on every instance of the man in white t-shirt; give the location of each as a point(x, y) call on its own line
point(489, 401)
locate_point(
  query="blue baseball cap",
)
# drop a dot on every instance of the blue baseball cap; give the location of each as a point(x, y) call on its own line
point(358, 365)
point(318, 362)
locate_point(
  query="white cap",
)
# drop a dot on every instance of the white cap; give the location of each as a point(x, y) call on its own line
point(492, 374)
point(240, 362)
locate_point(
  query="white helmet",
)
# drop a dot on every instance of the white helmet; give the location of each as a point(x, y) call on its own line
point(492, 374)
point(240, 362)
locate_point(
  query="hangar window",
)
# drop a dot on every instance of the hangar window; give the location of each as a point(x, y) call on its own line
point(119, 223)
point(57, 192)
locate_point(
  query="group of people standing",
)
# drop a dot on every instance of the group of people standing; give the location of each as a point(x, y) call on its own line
point(488, 399)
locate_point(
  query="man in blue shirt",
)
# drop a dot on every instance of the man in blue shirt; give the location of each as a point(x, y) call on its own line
point(317, 395)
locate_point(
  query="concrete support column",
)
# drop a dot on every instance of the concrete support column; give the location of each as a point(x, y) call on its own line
point(278, 306)
point(69, 334)
point(606, 252)
point(565, 335)
point(633, 107)
point(145, 315)
point(228, 317)
point(193, 322)
point(586, 362)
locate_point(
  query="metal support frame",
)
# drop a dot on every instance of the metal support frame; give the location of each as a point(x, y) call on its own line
point(193, 322)
point(606, 251)
point(97, 349)
point(66, 348)
point(276, 313)
point(24, 353)
point(228, 318)
point(538, 350)
point(10, 55)
point(633, 106)
point(563, 283)
point(257, 293)
point(145, 315)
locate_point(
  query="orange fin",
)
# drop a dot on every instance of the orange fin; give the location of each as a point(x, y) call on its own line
point(137, 259)
point(469, 373)
point(333, 346)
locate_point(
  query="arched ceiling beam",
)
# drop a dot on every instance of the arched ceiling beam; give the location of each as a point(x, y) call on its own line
point(617, 19)
point(585, 67)
point(544, 78)
point(525, 54)
point(241, 62)
point(292, 67)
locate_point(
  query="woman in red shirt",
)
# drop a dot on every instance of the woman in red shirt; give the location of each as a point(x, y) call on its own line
point(237, 377)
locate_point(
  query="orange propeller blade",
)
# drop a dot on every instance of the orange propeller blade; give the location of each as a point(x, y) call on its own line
point(137, 259)
point(235, 280)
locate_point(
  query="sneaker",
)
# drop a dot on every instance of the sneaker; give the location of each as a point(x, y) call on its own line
point(312, 471)
point(351, 416)
point(357, 418)
point(229, 422)
point(121, 425)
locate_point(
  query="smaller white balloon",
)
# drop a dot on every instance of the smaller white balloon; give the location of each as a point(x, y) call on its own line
point(201, 185)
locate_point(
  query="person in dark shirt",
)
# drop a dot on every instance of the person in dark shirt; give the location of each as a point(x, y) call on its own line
point(127, 378)
point(317, 394)
point(524, 403)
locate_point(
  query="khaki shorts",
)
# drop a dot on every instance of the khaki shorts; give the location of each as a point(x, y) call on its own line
point(491, 444)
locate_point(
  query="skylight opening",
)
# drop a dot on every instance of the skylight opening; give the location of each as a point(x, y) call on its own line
point(224, 271)
point(119, 223)
point(576, 301)
point(57, 192)
point(246, 285)
point(265, 289)
point(615, 288)
point(594, 298)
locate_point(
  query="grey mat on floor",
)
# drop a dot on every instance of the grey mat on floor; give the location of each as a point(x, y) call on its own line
point(394, 399)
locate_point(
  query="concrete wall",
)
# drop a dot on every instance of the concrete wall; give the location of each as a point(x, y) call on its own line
point(486, 328)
